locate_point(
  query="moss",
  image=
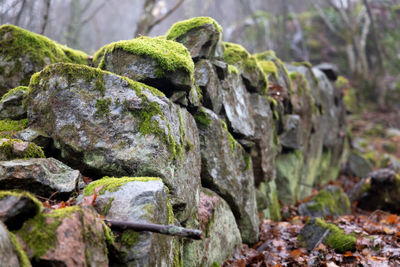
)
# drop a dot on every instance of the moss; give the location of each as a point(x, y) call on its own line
point(39, 206)
point(171, 216)
point(215, 264)
point(304, 64)
point(13, 91)
point(266, 55)
point(33, 150)
point(129, 238)
point(247, 160)
point(182, 27)
point(107, 207)
point(39, 233)
point(108, 235)
point(202, 117)
point(336, 238)
point(10, 127)
point(112, 184)
point(232, 142)
point(103, 107)
point(326, 200)
point(40, 49)
point(234, 53)
point(170, 55)
point(233, 69)
point(268, 67)
point(178, 260)
point(22, 258)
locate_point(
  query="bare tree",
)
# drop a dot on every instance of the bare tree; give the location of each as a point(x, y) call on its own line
point(45, 16)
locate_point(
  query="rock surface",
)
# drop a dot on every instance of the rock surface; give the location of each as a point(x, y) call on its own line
point(39, 176)
point(16, 149)
point(8, 255)
point(110, 125)
point(142, 200)
point(221, 234)
point(11, 106)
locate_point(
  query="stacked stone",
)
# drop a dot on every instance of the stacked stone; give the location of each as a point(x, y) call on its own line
point(181, 129)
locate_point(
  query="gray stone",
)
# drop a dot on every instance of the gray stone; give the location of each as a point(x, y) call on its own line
point(39, 176)
point(11, 106)
point(330, 201)
point(227, 170)
point(267, 200)
point(8, 255)
point(128, 129)
point(292, 135)
point(221, 234)
point(359, 165)
point(138, 200)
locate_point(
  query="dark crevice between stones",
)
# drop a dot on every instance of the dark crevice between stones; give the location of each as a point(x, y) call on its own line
point(249, 87)
point(48, 263)
point(220, 73)
point(162, 84)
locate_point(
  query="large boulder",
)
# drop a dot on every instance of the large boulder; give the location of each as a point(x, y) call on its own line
point(199, 35)
point(22, 53)
point(39, 176)
point(71, 236)
point(140, 200)
point(221, 234)
point(11, 104)
point(104, 124)
point(158, 62)
point(227, 170)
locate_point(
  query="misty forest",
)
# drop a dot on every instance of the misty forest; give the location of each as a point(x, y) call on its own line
point(199, 133)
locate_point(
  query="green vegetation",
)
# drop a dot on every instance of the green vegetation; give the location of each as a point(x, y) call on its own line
point(232, 141)
point(13, 91)
point(234, 53)
point(10, 127)
point(129, 238)
point(22, 257)
point(112, 184)
point(329, 200)
point(170, 55)
point(103, 107)
point(182, 27)
point(202, 117)
point(24, 194)
point(32, 151)
point(337, 239)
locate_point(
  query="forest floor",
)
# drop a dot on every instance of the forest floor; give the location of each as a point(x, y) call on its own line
point(279, 246)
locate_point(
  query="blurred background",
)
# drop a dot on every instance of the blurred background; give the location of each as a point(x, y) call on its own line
point(361, 37)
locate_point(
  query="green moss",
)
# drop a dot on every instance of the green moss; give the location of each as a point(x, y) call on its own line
point(39, 206)
point(39, 233)
point(304, 64)
point(22, 258)
point(202, 117)
point(268, 67)
point(170, 55)
point(108, 234)
point(178, 260)
point(33, 150)
point(234, 53)
point(182, 27)
point(112, 184)
point(40, 49)
point(107, 207)
point(171, 216)
point(233, 69)
point(129, 238)
point(103, 107)
point(336, 238)
point(266, 56)
point(215, 264)
point(232, 141)
point(326, 200)
point(14, 90)
point(10, 127)
point(247, 160)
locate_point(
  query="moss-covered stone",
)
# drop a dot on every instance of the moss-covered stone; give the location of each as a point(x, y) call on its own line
point(182, 27)
point(22, 257)
point(24, 194)
point(129, 238)
point(16, 149)
point(112, 184)
point(10, 127)
point(337, 239)
point(13, 91)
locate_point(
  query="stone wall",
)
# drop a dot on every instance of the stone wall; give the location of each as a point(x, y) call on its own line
point(179, 129)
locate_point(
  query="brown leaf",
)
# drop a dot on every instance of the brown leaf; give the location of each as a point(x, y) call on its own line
point(91, 200)
point(296, 253)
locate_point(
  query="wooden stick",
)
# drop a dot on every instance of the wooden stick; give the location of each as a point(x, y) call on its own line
point(156, 228)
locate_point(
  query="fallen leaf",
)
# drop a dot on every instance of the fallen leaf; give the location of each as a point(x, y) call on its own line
point(91, 200)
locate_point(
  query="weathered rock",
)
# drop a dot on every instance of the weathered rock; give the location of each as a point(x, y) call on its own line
point(10, 256)
point(331, 201)
point(266, 148)
point(35, 136)
point(11, 106)
point(16, 149)
point(317, 231)
point(359, 165)
point(143, 200)
point(199, 35)
point(227, 170)
point(110, 125)
point(254, 78)
point(267, 200)
point(17, 207)
point(292, 135)
point(70, 236)
point(39, 176)
point(22, 53)
point(237, 106)
point(221, 234)
point(380, 191)
point(206, 78)
point(158, 62)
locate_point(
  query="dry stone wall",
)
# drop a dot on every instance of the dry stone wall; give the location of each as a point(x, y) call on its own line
point(181, 129)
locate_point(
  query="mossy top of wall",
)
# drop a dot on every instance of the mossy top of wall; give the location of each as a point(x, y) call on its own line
point(181, 27)
point(169, 54)
point(16, 42)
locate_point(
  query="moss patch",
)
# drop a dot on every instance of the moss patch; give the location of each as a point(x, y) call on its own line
point(268, 67)
point(14, 90)
point(202, 117)
point(337, 239)
point(112, 184)
point(25, 194)
point(326, 200)
point(232, 141)
point(33, 150)
point(10, 127)
point(17, 43)
point(129, 238)
point(182, 27)
point(234, 53)
point(23, 259)
point(170, 55)
point(39, 233)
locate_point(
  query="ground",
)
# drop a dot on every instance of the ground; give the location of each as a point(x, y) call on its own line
point(377, 232)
